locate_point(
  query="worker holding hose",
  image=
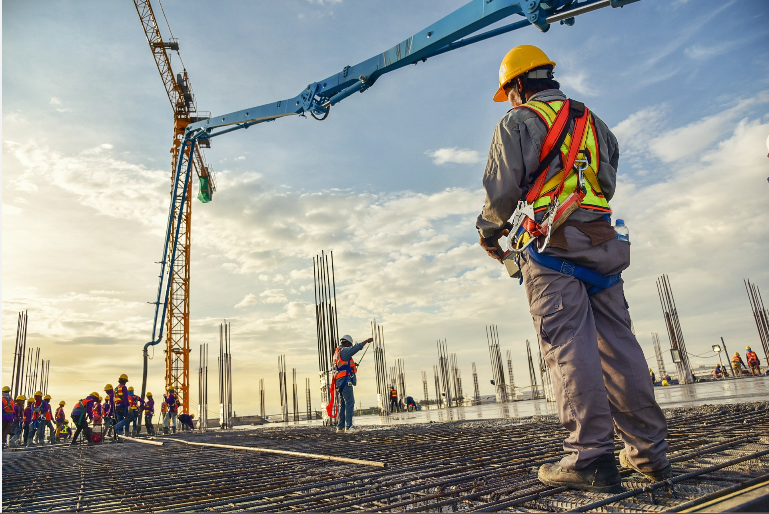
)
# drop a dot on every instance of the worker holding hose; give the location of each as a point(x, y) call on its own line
point(344, 380)
point(551, 159)
point(149, 411)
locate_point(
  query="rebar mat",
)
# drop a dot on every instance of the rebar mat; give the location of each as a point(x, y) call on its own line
point(437, 467)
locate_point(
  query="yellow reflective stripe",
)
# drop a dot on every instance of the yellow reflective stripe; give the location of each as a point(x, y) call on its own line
point(544, 110)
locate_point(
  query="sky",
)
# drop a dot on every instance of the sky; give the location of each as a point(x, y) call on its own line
point(390, 182)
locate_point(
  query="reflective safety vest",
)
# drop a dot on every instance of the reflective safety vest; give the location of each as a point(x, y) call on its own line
point(132, 402)
point(81, 408)
point(343, 368)
point(555, 115)
point(752, 358)
point(62, 429)
point(164, 407)
point(8, 406)
point(736, 359)
point(121, 393)
point(393, 393)
point(47, 410)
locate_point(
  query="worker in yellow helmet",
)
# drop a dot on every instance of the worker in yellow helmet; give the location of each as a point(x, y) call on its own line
point(549, 177)
point(738, 364)
point(8, 409)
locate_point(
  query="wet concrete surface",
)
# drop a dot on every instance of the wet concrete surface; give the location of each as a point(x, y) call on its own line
point(735, 390)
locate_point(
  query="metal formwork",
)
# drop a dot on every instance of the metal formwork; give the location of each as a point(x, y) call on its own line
point(478, 466)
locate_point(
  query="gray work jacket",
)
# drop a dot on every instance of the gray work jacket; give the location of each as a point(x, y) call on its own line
point(514, 158)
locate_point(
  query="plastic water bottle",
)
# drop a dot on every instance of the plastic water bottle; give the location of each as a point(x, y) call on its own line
point(623, 233)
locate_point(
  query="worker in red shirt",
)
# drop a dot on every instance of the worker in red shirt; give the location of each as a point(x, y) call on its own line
point(753, 363)
point(45, 421)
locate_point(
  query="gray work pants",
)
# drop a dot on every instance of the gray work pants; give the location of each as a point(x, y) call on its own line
point(599, 371)
point(346, 400)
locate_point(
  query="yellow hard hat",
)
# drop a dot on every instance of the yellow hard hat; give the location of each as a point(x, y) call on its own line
point(131, 388)
point(747, 348)
point(736, 353)
point(30, 400)
point(39, 393)
point(192, 415)
point(95, 394)
point(108, 387)
point(124, 377)
point(517, 61)
point(149, 394)
point(62, 402)
point(47, 397)
point(665, 382)
point(21, 398)
point(170, 388)
point(6, 389)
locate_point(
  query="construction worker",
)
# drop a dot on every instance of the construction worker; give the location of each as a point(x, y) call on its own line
point(46, 420)
point(81, 414)
point(737, 364)
point(8, 409)
point(135, 404)
point(63, 432)
point(60, 417)
point(108, 416)
point(149, 411)
point(345, 379)
point(18, 420)
point(652, 375)
point(550, 151)
point(187, 421)
point(164, 414)
point(122, 410)
point(718, 372)
point(753, 363)
point(393, 399)
point(28, 420)
point(37, 417)
point(172, 403)
point(410, 404)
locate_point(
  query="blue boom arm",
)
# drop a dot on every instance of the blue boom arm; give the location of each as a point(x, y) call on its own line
point(318, 97)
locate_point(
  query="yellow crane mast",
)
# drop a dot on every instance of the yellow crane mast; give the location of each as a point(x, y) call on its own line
point(185, 110)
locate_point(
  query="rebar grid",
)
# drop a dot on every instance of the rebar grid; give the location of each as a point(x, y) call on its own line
point(439, 467)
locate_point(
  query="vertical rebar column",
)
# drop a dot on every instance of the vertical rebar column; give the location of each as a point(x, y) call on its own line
point(424, 386)
point(438, 395)
point(380, 363)
point(658, 354)
point(262, 409)
point(532, 374)
point(326, 323)
point(476, 389)
point(760, 315)
point(225, 377)
point(673, 325)
point(495, 355)
point(511, 386)
point(283, 387)
point(547, 380)
point(443, 365)
point(400, 377)
point(309, 399)
point(19, 355)
point(296, 397)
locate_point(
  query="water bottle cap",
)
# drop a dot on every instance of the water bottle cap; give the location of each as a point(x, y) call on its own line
point(620, 222)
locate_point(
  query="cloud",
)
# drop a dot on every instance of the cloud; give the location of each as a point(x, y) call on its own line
point(250, 299)
point(579, 82)
point(110, 186)
point(454, 155)
point(56, 101)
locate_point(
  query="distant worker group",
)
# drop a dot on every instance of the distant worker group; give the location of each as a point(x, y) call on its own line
point(118, 413)
point(753, 363)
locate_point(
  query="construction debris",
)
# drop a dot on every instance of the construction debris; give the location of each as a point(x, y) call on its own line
point(469, 466)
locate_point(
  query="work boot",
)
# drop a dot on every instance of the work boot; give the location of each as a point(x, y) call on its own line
point(655, 476)
point(173, 430)
point(351, 429)
point(339, 430)
point(600, 476)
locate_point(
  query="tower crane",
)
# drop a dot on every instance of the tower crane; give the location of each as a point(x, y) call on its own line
point(185, 110)
point(449, 33)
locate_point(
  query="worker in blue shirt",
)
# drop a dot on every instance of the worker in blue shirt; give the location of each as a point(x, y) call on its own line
point(345, 380)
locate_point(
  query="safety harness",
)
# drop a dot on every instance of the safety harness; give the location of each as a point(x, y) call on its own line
point(575, 186)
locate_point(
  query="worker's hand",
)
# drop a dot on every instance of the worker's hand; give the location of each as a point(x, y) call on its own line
point(367, 341)
point(490, 244)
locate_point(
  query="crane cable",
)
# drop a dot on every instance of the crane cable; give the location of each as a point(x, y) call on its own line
point(171, 32)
